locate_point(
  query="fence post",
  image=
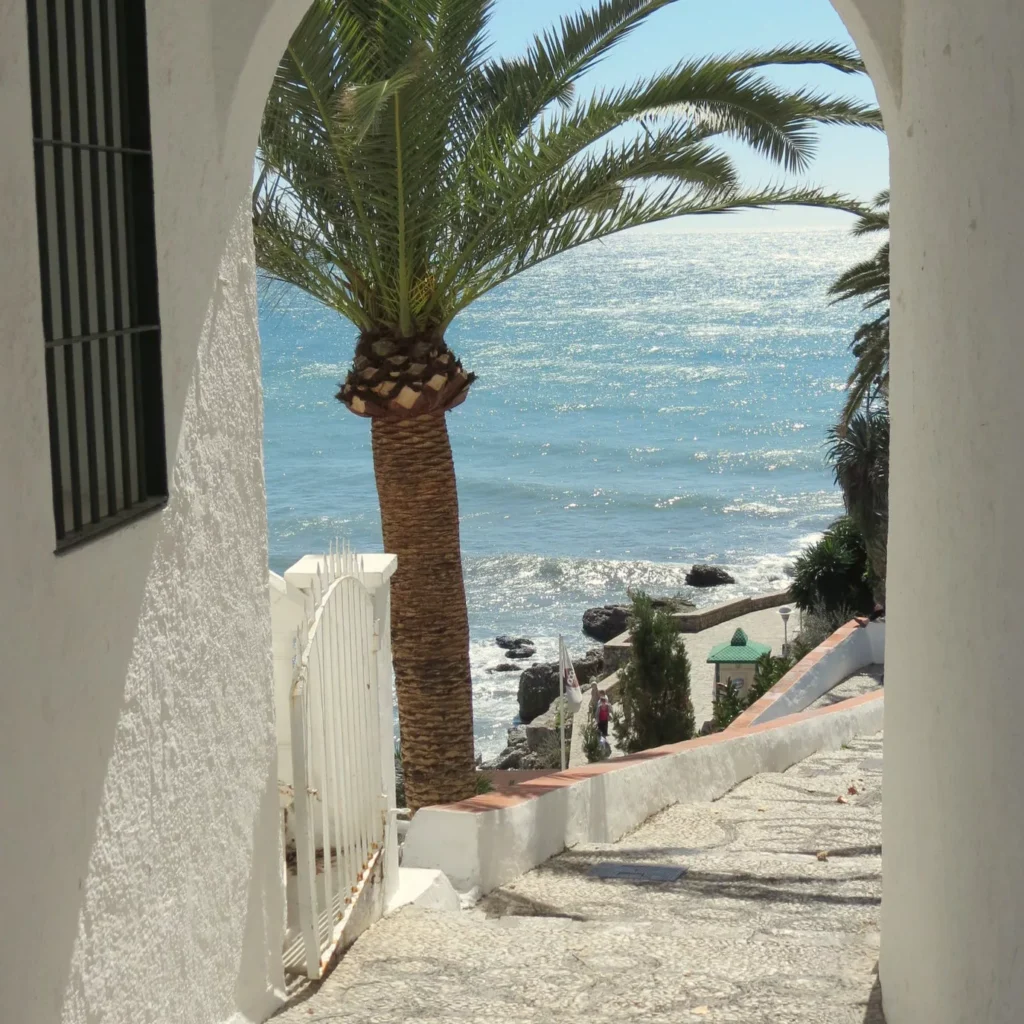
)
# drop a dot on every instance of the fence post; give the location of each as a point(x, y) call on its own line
point(381, 586)
point(305, 845)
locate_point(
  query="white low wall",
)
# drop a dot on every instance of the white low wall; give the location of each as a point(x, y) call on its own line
point(862, 647)
point(484, 848)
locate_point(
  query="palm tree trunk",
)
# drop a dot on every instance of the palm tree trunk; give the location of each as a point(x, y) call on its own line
point(419, 507)
point(878, 557)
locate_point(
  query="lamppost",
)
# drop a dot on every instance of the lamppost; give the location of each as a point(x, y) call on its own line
point(785, 611)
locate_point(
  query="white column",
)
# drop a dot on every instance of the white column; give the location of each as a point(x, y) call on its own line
point(953, 832)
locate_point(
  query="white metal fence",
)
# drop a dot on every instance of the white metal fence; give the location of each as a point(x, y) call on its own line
point(340, 740)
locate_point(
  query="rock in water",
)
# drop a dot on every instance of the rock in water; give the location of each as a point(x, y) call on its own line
point(611, 620)
point(520, 653)
point(605, 623)
point(518, 754)
point(515, 750)
point(505, 666)
point(708, 576)
point(538, 685)
point(508, 642)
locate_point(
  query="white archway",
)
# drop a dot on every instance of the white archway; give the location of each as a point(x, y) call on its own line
point(954, 814)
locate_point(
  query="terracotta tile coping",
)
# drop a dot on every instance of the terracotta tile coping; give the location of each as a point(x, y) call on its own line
point(543, 784)
point(794, 675)
point(505, 778)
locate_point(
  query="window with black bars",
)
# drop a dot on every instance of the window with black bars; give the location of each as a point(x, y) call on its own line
point(94, 199)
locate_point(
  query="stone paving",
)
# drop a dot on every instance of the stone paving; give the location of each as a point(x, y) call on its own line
point(852, 686)
point(775, 921)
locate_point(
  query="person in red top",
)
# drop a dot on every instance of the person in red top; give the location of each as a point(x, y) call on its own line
point(604, 714)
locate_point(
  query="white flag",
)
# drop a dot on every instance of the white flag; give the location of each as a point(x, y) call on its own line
point(570, 684)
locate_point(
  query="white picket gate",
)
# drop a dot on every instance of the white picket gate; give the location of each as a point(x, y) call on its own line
point(340, 811)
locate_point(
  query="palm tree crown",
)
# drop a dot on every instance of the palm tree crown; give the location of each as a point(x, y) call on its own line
point(859, 453)
point(404, 174)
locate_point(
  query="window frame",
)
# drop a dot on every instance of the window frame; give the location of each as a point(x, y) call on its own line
point(99, 282)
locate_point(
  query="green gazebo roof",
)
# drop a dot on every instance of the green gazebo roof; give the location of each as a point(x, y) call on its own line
point(739, 650)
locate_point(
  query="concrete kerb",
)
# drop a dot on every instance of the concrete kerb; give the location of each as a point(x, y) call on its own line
point(487, 841)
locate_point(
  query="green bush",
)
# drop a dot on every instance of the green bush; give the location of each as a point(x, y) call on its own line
point(656, 707)
point(592, 745)
point(833, 573)
point(729, 705)
point(817, 625)
point(770, 670)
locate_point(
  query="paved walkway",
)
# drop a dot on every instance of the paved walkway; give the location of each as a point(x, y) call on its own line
point(759, 930)
point(865, 681)
point(765, 627)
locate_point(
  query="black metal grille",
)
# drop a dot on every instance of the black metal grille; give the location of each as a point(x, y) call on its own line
point(94, 197)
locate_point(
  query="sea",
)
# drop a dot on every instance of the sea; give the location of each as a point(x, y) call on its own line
point(642, 403)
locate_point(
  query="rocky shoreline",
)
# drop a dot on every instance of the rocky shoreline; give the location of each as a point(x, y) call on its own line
point(533, 743)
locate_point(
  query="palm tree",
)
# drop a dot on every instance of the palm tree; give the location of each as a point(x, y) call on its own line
point(859, 453)
point(869, 282)
point(402, 174)
point(830, 576)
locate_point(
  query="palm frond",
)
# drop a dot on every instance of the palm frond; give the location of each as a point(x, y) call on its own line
point(868, 281)
point(515, 92)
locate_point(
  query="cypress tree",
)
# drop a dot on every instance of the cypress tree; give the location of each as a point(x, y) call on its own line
point(656, 706)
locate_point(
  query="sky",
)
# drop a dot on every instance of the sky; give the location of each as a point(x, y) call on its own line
point(850, 160)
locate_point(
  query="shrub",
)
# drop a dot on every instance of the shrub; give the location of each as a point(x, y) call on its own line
point(817, 625)
point(592, 745)
point(833, 573)
point(656, 705)
point(729, 705)
point(770, 670)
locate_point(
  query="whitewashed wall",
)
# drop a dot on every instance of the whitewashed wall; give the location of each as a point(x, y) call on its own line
point(953, 819)
point(139, 871)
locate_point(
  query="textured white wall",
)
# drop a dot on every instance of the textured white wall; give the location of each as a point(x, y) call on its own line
point(139, 870)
